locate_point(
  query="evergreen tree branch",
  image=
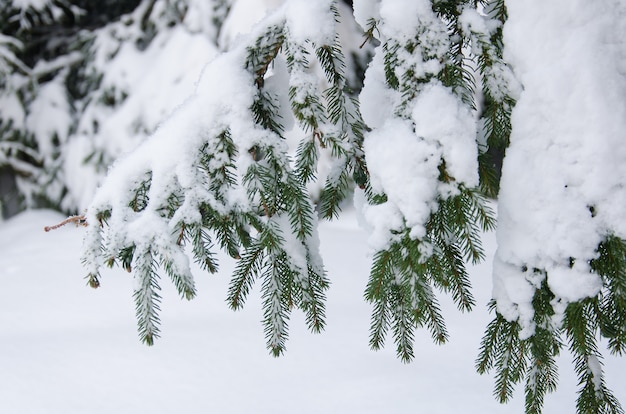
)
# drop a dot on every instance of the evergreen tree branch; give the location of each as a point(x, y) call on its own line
point(147, 297)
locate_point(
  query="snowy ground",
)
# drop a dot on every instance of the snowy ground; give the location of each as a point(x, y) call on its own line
point(65, 348)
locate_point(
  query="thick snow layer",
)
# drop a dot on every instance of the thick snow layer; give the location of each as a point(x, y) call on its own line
point(35, 4)
point(365, 10)
point(403, 166)
point(562, 189)
point(243, 15)
point(68, 349)
point(300, 14)
point(441, 118)
point(378, 102)
point(412, 136)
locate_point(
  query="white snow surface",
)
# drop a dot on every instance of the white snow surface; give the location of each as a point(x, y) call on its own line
point(562, 189)
point(68, 349)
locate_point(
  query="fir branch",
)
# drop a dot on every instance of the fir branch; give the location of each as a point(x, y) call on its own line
point(457, 73)
point(332, 62)
point(265, 49)
point(489, 343)
point(225, 228)
point(377, 293)
point(334, 192)
point(182, 278)
point(248, 268)
point(314, 306)
point(147, 298)
point(611, 265)
point(497, 99)
point(265, 112)
point(346, 139)
point(140, 200)
point(201, 247)
point(427, 309)
point(580, 324)
point(299, 208)
point(448, 273)
point(275, 307)
point(307, 156)
point(542, 373)
point(369, 32)
point(510, 360)
point(543, 347)
point(403, 322)
point(126, 256)
point(217, 162)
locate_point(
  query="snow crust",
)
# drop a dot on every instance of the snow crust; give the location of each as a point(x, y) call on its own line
point(562, 189)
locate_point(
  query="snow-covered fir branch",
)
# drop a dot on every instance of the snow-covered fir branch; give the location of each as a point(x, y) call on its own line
point(191, 126)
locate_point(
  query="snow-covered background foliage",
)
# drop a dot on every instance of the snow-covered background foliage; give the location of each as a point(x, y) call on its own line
point(97, 85)
point(83, 83)
point(237, 125)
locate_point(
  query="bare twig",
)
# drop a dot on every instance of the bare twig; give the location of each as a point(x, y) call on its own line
point(78, 220)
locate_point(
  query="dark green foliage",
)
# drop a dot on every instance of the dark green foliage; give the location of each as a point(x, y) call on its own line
point(584, 322)
point(457, 72)
point(284, 286)
point(497, 106)
point(279, 195)
point(543, 347)
point(404, 276)
point(332, 119)
point(202, 249)
point(611, 264)
point(514, 358)
point(220, 172)
point(147, 297)
point(270, 228)
point(581, 327)
point(345, 143)
point(140, 200)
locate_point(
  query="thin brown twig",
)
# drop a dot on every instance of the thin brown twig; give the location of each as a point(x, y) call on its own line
point(78, 220)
